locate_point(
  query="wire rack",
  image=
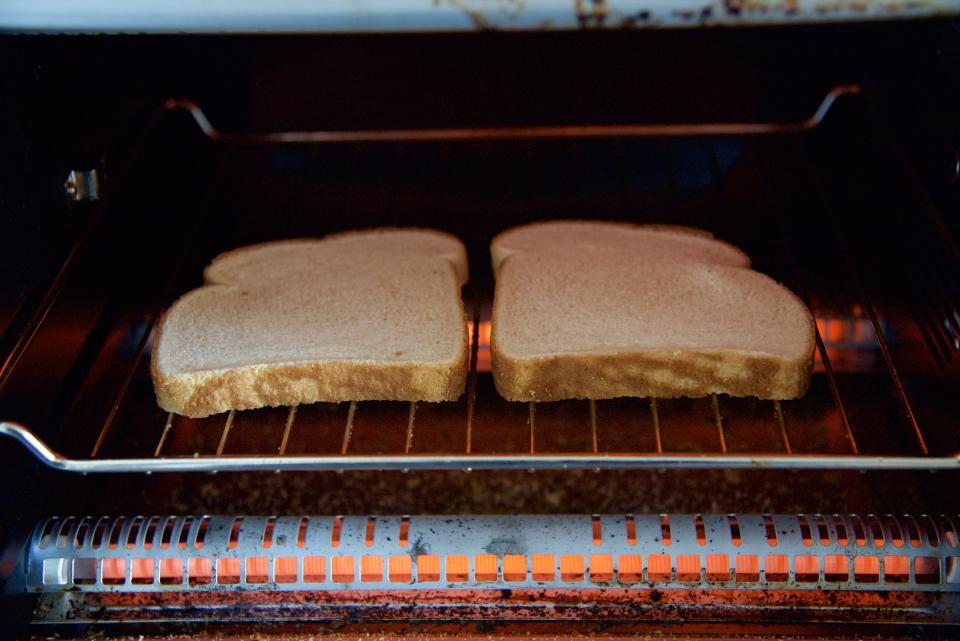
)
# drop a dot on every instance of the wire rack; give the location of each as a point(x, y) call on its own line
point(825, 429)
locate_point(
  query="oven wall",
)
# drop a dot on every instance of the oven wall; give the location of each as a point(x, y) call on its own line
point(79, 102)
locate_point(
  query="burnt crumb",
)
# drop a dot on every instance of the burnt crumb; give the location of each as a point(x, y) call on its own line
point(419, 548)
point(655, 596)
point(506, 593)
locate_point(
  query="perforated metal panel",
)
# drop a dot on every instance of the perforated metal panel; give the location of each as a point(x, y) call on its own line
point(743, 551)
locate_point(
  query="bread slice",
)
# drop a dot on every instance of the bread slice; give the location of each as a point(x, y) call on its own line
point(601, 310)
point(372, 315)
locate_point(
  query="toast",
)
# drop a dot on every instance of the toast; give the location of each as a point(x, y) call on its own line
point(601, 310)
point(371, 315)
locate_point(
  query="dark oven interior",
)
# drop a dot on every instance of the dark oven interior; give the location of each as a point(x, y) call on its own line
point(856, 212)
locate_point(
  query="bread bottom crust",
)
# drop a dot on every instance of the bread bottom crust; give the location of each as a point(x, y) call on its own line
point(668, 374)
point(200, 394)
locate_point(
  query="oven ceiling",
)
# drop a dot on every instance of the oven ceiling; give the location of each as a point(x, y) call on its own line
point(300, 16)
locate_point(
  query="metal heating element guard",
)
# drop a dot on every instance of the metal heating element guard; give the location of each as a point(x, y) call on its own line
point(743, 551)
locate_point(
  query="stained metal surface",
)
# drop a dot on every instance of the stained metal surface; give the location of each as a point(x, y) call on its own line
point(250, 16)
point(741, 551)
point(686, 612)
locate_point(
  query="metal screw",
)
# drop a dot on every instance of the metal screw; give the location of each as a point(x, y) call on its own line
point(82, 185)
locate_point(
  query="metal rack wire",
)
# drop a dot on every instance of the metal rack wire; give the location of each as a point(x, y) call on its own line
point(482, 431)
point(718, 450)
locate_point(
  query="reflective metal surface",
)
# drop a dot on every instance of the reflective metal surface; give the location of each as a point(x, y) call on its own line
point(289, 16)
point(573, 460)
point(532, 132)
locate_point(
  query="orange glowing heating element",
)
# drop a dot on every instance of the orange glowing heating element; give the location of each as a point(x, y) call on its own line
point(836, 568)
point(342, 569)
point(200, 571)
point(314, 569)
point(485, 567)
point(171, 571)
point(630, 568)
point(114, 571)
point(839, 332)
point(257, 569)
point(428, 567)
point(601, 568)
point(371, 568)
point(400, 569)
point(228, 570)
point(285, 569)
point(688, 567)
point(458, 568)
point(571, 567)
point(747, 568)
point(777, 567)
point(543, 567)
point(515, 567)
point(483, 344)
point(866, 569)
point(658, 567)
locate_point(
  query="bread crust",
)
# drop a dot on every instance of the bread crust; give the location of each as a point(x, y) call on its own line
point(200, 394)
point(662, 374)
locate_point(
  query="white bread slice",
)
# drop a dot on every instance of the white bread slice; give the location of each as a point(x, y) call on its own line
point(601, 310)
point(372, 315)
point(655, 242)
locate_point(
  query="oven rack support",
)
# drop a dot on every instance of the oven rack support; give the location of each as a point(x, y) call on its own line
point(515, 133)
point(468, 461)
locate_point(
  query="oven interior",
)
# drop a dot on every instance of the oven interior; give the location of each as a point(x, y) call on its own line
point(835, 514)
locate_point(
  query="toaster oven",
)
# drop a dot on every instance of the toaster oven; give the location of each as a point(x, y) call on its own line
point(826, 150)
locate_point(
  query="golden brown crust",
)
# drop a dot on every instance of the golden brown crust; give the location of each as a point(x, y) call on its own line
point(660, 374)
point(199, 394)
